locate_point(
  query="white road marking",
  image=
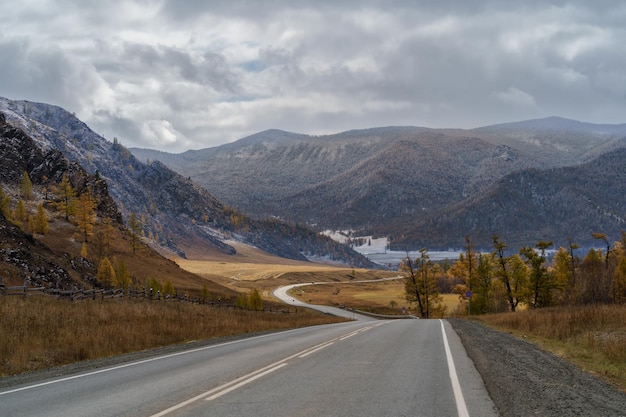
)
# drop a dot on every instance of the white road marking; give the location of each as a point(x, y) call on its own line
point(245, 379)
point(244, 382)
point(315, 350)
point(461, 407)
point(364, 329)
point(126, 365)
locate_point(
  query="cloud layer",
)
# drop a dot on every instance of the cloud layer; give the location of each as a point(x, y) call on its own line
point(177, 75)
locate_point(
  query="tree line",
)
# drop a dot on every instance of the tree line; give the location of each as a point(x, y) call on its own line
point(498, 281)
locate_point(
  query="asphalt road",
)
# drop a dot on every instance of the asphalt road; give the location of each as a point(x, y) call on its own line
point(358, 368)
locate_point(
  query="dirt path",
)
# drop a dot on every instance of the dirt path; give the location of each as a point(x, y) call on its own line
point(524, 380)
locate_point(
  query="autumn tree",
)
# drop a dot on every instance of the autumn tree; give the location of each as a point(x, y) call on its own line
point(135, 230)
point(168, 288)
point(482, 284)
point(106, 273)
point(65, 196)
point(26, 187)
point(565, 277)
point(411, 285)
point(592, 274)
point(205, 294)
point(102, 238)
point(41, 220)
point(242, 301)
point(86, 214)
point(540, 282)
point(420, 285)
point(619, 282)
point(255, 301)
point(503, 273)
point(123, 279)
point(5, 204)
point(20, 216)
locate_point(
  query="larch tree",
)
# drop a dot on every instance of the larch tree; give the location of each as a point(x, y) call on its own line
point(106, 273)
point(255, 301)
point(168, 288)
point(41, 220)
point(540, 282)
point(421, 285)
point(26, 187)
point(86, 214)
point(411, 284)
point(135, 230)
point(123, 279)
point(503, 273)
point(65, 198)
point(5, 204)
point(619, 285)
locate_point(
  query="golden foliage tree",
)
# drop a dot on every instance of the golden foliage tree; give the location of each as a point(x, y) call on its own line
point(421, 285)
point(26, 187)
point(168, 288)
point(41, 220)
point(123, 279)
point(255, 301)
point(86, 214)
point(65, 196)
point(106, 273)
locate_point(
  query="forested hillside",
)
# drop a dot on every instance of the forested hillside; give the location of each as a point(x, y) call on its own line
point(421, 187)
point(171, 210)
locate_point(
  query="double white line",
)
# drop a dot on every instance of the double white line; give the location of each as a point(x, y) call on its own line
point(245, 379)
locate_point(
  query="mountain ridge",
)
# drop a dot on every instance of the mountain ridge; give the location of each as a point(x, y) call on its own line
point(379, 181)
point(173, 209)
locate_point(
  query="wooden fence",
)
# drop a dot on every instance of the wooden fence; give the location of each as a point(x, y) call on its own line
point(148, 294)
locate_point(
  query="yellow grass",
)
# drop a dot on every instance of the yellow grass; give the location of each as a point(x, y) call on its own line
point(39, 331)
point(592, 337)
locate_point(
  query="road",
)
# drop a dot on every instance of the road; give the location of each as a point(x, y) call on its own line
point(358, 368)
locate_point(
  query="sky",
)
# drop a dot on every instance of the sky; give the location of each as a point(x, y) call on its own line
point(190, 74)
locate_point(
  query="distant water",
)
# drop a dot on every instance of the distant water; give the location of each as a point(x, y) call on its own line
point(394, 258)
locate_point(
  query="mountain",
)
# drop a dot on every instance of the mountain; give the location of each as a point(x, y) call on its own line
point(531, 205)
point(393, 181)
point(56, 259)
point(174, 212)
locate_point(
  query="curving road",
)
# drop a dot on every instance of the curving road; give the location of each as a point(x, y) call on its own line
point(358, 368)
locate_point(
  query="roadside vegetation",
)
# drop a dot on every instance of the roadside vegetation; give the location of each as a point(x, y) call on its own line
point(592, 337)
point(38, 332)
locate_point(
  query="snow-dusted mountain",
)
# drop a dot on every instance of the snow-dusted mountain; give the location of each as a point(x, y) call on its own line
point(174, 211)
point(399, 181)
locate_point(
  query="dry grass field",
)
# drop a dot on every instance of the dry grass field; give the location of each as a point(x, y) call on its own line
point(251, 268)
point(38, 332)
point(592, 337)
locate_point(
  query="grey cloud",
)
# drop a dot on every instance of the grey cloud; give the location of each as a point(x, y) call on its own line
point(198, 73)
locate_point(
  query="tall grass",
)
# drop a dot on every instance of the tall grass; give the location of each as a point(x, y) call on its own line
point(593, 337)
point(41, 332)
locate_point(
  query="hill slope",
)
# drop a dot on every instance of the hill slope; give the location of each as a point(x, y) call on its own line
point(532, 205)
point(173, 210)
point(386, 181)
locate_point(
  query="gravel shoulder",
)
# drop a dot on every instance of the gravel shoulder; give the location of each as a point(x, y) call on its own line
point(524, 380)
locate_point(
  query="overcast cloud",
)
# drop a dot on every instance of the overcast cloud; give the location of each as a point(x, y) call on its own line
point(177, 75)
